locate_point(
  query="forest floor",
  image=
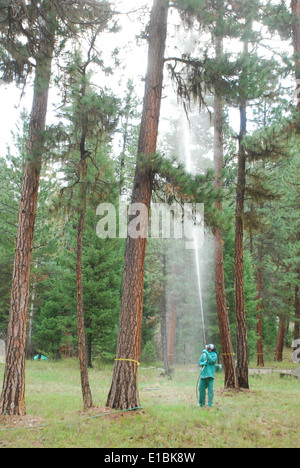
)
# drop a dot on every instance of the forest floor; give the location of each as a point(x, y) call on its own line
point(267, 415)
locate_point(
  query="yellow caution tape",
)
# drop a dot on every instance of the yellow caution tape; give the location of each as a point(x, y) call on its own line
point(130, 360)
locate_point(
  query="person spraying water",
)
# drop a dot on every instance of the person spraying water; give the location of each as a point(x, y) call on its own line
point(207, 364)
point(209, 358)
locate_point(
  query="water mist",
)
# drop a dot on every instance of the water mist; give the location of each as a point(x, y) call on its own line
point(189, 168)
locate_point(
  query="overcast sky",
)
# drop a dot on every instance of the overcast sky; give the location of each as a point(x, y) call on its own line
point(134, 62)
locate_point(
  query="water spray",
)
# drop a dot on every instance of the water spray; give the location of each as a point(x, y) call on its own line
point(188, 163)
point(199, 286)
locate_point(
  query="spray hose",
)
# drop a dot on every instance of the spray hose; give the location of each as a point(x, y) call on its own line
point(197, 387)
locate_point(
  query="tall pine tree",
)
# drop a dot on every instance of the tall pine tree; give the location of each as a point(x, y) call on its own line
point(39, 27)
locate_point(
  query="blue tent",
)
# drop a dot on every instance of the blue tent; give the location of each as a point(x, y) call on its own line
point(40, 357)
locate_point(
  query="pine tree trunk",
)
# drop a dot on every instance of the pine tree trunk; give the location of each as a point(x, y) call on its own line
point(280, 340)
point(221, 303)
point(82, 169)
point(124, 388)
point(89, 344)
point(242, 353)
point(13, 394)
point(260, 356)
point(86, 392)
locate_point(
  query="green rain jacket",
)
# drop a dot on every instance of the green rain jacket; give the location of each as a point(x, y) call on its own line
point(207, 363)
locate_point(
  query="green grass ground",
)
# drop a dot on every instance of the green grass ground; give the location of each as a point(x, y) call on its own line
point(266, 416)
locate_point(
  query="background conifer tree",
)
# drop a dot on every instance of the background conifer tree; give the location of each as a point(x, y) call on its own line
point(40, 27)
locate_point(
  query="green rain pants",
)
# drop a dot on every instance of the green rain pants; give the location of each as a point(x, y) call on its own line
point(206, 384)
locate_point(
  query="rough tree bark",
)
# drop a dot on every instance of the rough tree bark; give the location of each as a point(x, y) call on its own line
point(124, 388)
point(221, 303)
point(13, 394)
point(260, 355)
point(280, 339)
point(242, 353)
